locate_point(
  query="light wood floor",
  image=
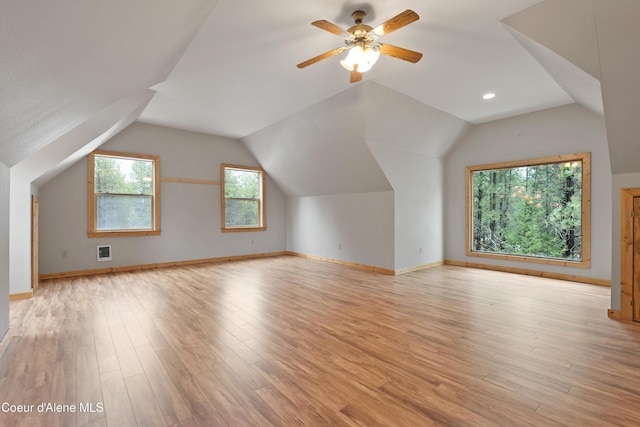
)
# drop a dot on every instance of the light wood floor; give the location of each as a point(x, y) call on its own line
point(289, 341)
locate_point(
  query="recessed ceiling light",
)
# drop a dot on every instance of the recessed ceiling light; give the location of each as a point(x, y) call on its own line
point(488, 96)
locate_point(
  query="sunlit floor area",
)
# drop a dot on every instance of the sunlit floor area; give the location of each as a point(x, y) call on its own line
point(290, 341)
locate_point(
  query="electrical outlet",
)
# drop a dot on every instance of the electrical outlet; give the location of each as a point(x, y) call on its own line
point(339, 245)
point(65, 254)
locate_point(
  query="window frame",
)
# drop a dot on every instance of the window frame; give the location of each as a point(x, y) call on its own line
point(585, 158)
point(92, 197)
point(262, 201)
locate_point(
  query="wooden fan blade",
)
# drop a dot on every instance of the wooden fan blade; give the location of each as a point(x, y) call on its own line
point(321, 57)
point(398, 21)
point(355, 76)
point(332, 28)
point(400, 53)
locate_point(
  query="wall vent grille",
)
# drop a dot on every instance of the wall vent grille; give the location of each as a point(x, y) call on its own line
point(104, 253)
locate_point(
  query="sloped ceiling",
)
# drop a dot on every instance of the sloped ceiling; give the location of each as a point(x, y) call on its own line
point(403, 123)
point(580, 85)
point(52, 159)
point(321, 150)
point(228, 68)
point(567, 27)
point(599, 37)
point(63, 61)
point(324, 149)
point(618, 35)
point(239, 74)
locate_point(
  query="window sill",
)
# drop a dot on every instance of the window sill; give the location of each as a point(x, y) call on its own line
point(530, 259)
point(242, 229)
point(97, 234)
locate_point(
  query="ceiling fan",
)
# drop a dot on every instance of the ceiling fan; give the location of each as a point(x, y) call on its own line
point(361, 41)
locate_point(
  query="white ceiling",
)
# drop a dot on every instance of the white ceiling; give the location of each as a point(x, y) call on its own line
point(69, 69)
point(239, 73)
point(63, 62)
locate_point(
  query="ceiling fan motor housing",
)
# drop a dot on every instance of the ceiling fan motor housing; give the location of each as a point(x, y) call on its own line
point(360, 30)
point(358, 16)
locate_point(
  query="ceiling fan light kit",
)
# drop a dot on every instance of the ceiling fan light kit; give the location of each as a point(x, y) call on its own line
point(362, 42)
point(361, 58)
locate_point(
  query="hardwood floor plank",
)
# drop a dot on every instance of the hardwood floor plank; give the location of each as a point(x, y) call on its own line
point(217, 393)
point(310, 401)
point(63, 391)
point(617, 403)
point(102, 422)
point(89, 387)
point(118, 408)
point(171, 403)
point(386, 409)
point(134, 331)
point(145, 407)
point(191, 422)
point(105, 351)
point(154, 335)
point(292, 341)
point(492, 407)
point(434, 407)
point(194, 398)
point(245, 394)
point(568, 415)
point(355, 416)
point(127, 357)
point(282, 376)
point(285, 408)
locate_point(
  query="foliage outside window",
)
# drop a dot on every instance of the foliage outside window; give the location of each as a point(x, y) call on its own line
point(242, 198)
point(123, 194)
point(533, 210)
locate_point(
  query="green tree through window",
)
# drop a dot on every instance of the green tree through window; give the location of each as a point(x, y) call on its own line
point(123, 197)
point(530, 209)
point(243, 198)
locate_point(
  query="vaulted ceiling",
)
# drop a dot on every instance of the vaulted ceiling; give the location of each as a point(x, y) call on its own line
point(239, 74)
point(63, 62)
point(228, 67)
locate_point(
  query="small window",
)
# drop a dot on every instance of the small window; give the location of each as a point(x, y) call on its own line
point(123, 194)
point(242, 198)
point(532, 210)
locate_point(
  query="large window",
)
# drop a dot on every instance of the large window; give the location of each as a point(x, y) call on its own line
point(242, 198)
point(532, 210)
point(123, 194)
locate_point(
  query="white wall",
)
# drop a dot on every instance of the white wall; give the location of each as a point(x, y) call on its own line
point(561, 130)
point(4, 249)
point(417, 183)
point(343, 145)
point(348, 227)
point(340, 204)
point(20, 236)
point(190, 213)
point(408, 140)
point(40, 166)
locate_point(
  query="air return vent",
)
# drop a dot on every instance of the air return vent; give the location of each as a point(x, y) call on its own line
point(104, 253)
